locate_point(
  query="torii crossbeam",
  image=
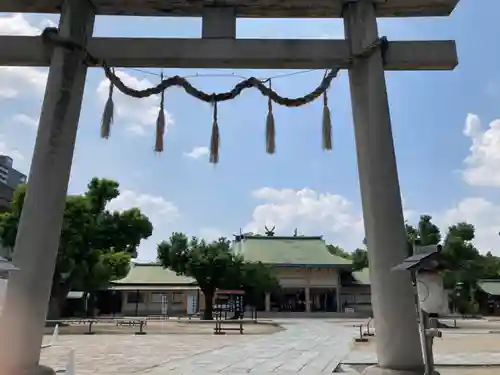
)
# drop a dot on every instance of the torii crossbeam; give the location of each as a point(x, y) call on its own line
point(21, 325)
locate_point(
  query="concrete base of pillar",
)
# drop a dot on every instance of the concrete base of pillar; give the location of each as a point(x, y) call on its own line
point(44, 370)
point(39, 370)
point(375, 370)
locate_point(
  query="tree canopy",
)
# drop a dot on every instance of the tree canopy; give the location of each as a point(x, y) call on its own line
point(467, 264)
point(359, 257)
point(96, 244)
point(214, 266)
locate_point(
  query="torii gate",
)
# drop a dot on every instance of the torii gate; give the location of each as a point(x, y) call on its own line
point(21, 326)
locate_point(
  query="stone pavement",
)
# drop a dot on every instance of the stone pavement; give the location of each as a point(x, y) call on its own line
point(456, 359)
point(305, 346)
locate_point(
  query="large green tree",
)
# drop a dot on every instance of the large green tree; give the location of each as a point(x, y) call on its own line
point(338, 251)
point(467, 265)
point(214, 266)
point(96, 244)
point(359, 259)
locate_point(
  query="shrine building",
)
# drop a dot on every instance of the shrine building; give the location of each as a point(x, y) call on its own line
point(311, 280)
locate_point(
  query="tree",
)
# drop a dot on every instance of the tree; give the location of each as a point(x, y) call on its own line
point(338, 251)
point(411, 237)
point(257, 279)
point(359, 259)
point(214, 266)
point(428, 232)
point(467, 264)
point(210, 264)
point(96, 245)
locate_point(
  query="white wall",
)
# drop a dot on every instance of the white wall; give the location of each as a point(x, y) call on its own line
point(433, 297)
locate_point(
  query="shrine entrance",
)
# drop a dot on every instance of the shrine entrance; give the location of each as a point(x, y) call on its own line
point(71, 49)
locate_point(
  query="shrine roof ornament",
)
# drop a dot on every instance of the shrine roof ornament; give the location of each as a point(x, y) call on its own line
point(243, 8)
point(51, 35)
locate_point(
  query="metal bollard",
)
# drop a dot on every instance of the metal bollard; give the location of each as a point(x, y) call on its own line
point(90, 332)
point(368, 333)
point(142, 323)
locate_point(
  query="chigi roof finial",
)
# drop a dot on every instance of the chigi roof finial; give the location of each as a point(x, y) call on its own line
point(270, 232)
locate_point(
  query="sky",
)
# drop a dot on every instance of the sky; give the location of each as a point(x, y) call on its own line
point(446, 128)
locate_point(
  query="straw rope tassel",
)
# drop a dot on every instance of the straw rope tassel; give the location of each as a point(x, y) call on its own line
point(270, 127)
point(108, 114)
point(160, 123)
point(215, 138)
point(327, 125)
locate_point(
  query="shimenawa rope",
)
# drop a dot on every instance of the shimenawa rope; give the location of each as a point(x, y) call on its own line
point(51, 34)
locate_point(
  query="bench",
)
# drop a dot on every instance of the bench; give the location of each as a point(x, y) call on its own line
point(222, 326)
point(118, 322)
point(142, 323)
point(361, 337)
point(368, 332)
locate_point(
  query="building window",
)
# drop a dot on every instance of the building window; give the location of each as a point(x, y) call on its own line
point(177, 297)
point(158, 297)
point(135, 297)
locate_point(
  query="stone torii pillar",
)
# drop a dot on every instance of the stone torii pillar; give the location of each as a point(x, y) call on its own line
point(398, 343)
point(37, 242)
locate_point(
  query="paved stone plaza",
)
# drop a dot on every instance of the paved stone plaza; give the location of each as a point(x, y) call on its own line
point(305, 347)
point(474, 344)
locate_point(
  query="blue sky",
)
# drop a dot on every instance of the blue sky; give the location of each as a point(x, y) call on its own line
point(447, 140)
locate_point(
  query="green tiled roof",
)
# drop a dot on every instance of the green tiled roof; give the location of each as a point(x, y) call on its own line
point(153, 274)
point(362, 276)
point(288, 251)
point(491, 287)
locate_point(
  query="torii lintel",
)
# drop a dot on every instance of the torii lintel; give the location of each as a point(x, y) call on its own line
point(232, 53)
point(243, 8)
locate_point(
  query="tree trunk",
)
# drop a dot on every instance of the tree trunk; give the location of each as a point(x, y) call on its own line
point(91, 304)
point(57, 301)
point(53, 313)
point(208, 312)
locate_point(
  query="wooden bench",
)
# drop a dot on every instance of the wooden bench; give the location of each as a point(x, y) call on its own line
point(142, 323)
point(90, 323)
point(222, 326)
point(361, 337)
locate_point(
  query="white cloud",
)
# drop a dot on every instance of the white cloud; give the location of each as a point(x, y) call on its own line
point(197, 152)
point(484, 157)
point(333, 216)
point(160, 212)
point(17, 24)
point(483, 214)
point(5, 149)
point(48, 23)
point(16, 81)
point(152, 206)
point(21, 81)
point(24, 119)
point(312, 213)
point(139, 115)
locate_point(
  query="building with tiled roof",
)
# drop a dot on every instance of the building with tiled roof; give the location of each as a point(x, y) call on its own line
point(311, 279)
point(309, 276)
